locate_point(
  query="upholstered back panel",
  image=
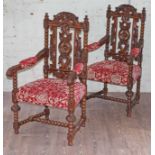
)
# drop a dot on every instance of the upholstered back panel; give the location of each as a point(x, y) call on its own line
point(125, 26)
point(66, 38)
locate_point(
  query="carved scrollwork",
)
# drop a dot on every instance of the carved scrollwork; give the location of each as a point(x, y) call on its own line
point(66, 17)
point(65, 48)
point(126, 9)
point(113, 34)
point(124, 35)
point(134, 41)
point(77, 46)
point(125, 28)
point(65, 39)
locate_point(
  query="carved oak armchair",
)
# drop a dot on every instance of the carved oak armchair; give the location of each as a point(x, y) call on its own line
point(122, 66)
point(68, 63)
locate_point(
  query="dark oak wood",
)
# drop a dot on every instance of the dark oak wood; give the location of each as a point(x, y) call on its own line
point(63, 23)
point(122, 28)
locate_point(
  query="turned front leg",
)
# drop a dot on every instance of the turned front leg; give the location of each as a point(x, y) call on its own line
point(83, 110)
point(15, 108)
point(71, 117)
point(47, 112)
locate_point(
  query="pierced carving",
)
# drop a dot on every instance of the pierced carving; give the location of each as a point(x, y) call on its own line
point(114, 34)
point(65, 17)
point(124, 27)
point(77, 46)
point(134, 41)
point(126, 10)
point(70, 30)
point(65, 48)
point(124, 35)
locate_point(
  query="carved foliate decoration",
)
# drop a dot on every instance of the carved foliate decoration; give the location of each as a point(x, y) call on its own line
point(65, 39)
point(53, 47)
point(135, 27)
point(65, 48)
point(114, 34)
point(77, 46)
point(65, 17)
point(123, 26)
point(124, 35)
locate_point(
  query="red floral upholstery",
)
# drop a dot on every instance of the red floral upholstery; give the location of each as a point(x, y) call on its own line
point(111, 71)
point(50, 92)
point(28, 62)
point(135, 52)
point(78, 68)
point(93, 46)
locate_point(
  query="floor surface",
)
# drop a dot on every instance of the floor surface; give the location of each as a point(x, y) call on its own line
point(108, 131)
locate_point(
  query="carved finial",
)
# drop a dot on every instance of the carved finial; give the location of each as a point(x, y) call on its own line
point(86, 18)
point(86, 21)
point(46, 21)
point(108, 11)
point(46, 15)
point(144, 13)
point(109, 7)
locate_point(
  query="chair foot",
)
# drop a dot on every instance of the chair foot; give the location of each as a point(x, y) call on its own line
point(129, 111)
point(16, 128)
point(47, 112)
point(138, 101)
point(70, 143)
point(129, 114)
point(16, 132)
point(84, 122)
point(70, 140)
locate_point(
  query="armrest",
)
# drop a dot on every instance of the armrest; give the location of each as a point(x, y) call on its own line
point(73, 74)
point(96, 45)
point(135, 52)
point(78, 68)
point(27, 62)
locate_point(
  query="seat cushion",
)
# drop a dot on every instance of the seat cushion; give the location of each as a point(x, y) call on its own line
point(50, 92)
point(114, 72)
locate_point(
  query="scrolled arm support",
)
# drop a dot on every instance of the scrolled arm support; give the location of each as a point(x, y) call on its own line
point(10, 72)
point(14, 69)
point(96, 45)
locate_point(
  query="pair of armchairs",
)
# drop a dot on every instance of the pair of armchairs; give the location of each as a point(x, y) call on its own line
point(65, 55)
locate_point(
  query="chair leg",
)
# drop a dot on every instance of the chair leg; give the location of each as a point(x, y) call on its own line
point(105, 89)
point(15, 108)
point(47, 112)
point(138, 91)
point(129, 95)
point(70, 136)
point(83, 110)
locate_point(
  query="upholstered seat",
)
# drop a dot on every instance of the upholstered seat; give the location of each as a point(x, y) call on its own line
point(50, 92)
point(111, 71)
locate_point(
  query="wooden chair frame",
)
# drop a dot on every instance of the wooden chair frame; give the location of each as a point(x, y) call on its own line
point(126, 12)
point(65, 21)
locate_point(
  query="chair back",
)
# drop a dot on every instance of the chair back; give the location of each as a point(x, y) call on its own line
point(65, 36)
point(125, 28)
